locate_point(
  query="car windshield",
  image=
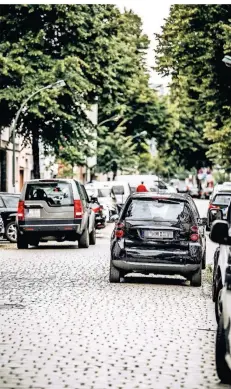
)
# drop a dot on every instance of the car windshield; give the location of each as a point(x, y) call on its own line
point(11, 201)
point(54, 193)
point(222, 199)
point(155, 210)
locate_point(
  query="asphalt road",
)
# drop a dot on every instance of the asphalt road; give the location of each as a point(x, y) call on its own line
point(63, 325)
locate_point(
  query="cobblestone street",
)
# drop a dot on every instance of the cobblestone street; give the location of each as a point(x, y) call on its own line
point(64, 326)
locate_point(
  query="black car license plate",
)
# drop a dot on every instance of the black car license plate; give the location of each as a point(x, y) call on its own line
point(154, 234)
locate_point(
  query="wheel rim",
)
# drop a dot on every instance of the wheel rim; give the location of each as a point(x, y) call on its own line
point(12, 232)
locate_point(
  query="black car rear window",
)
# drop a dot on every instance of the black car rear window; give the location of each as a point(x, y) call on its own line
point(222, 199)
point(155, 209)
point(11, 201)
point(54, 193)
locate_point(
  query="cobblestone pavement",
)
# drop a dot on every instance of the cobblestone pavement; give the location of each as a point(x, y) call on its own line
point(62, 324)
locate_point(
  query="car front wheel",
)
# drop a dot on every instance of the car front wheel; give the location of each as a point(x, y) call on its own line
point(223, 370)
point(11, 232)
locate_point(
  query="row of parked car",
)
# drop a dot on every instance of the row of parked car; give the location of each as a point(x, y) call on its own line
point(219, 224)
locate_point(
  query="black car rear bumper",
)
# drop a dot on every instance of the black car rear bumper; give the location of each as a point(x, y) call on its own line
point(157, 268)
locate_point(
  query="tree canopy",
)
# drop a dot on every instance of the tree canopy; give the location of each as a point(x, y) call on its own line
point(190, 49)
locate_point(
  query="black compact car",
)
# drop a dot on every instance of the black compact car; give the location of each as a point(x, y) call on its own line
point(8, 210)
point(160, 234)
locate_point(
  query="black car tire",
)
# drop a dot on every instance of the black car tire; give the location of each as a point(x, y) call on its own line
point(196, 278)
point(92, 237)
point(22, 242)
point(204, 260)
point(114, 275)
point(9, 231)
point(84, 240)
point(217, 302)
point(223, 370)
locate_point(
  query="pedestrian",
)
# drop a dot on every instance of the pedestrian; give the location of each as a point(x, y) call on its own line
point(141, 188)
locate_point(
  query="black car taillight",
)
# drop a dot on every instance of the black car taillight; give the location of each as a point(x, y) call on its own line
point(119, 231)
point(194, 235)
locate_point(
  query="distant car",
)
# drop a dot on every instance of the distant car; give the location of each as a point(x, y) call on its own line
point(161, 234)
point(100, 214)
point(194, 191)
point(121, 191)
point(105, 195)
point(220, 200)
point(182, 187)
point(220, 234)
point(55, 209)
point(8, 210)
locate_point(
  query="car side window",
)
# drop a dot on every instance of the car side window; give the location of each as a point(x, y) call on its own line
point(85, 194)
point(194, 208)
point(82, 195)
point(186, 216)
point(1, 203)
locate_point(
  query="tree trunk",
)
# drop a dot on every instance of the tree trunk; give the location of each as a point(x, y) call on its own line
point(35, 150)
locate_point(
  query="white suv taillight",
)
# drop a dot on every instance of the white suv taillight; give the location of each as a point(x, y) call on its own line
point(78, 209)
point(21, 211)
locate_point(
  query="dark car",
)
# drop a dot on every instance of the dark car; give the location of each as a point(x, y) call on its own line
point(161, 234)
point(220, 234)
point(8, 209)
point(100, 217)
point(221, 201)
point(57, 209)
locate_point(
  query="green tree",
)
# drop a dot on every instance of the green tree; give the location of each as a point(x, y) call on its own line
point(190, 50)
point(115, 151)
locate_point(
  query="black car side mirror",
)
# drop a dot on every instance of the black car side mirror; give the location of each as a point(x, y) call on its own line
point(220, 232)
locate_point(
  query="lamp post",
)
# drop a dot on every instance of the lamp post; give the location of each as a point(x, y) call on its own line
point(227, 60)
point(59, 83)
point(114, 118)
point(141, 134)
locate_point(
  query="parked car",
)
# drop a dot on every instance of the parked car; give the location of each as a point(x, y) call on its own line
point(105, 195)
point(220, 200)
point(100, 215)
point(220, 234)
point(161, 234)
point(8, 209)
point(1, 227)
point(56, 209)
point(194, 191)
point(182, 187)
point(121, 190)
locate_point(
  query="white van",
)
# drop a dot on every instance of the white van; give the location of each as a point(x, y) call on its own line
point(121, 191)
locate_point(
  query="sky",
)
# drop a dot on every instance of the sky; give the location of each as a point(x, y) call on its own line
point(152, 16)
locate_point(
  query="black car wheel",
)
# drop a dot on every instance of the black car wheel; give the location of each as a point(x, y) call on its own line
point(92, 237)
point(11, 232)
point(84, 239)
point(204, 260)
point(196, 278)
point(114, 275)
point(22, 242)
point(218, 307)
point(223, 370)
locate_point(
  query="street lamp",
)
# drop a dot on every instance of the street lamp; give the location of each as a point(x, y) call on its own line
point(59, 83)
point(227, 60)
point(114, 118)
point(141, 134)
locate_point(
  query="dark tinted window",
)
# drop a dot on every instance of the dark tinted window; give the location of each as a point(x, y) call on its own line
point(157, 210)
point(222, 199)
point(10, 201)
point(54, 193)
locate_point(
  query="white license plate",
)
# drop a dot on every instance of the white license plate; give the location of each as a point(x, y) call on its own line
point(34, 213)
point(158, 234)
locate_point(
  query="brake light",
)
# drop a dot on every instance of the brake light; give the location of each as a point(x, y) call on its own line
point(194, 234)
point(119, 232)
point(211, 206)
point(96, 209)
point(21, 211)
point(78, 209)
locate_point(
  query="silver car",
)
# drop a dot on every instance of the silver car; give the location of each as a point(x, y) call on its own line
point(57, 209)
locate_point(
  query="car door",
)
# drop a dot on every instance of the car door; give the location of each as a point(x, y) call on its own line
point(86, 207)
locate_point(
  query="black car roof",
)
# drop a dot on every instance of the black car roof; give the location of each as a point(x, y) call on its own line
point(169, 196)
